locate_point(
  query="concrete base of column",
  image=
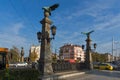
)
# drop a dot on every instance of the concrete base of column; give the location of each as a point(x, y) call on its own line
point(46, 77)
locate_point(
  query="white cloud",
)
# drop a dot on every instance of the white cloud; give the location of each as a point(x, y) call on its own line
point(14, 28)
point(17, 27)
point(9, 39)
point(12, 36)
point(110, 23)
point(11, 33)
point(93, 9)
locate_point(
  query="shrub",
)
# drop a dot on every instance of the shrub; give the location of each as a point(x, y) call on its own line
point(19, 74)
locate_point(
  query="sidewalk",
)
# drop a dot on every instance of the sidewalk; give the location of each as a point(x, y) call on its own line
point(66, 74)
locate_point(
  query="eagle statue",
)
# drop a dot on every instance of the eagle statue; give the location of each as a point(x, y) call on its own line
point(87, 33)
point(50, 8)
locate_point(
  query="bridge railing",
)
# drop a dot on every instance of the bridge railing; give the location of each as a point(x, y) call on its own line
point(66, 66)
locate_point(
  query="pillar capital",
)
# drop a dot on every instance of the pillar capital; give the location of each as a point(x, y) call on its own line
point(46, 20)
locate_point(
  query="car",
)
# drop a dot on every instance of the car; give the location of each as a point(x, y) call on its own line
point(96, 65)
point(21, 64)
point(105, 66)
point(12, 65)
point(116, 63)
point(115, 67)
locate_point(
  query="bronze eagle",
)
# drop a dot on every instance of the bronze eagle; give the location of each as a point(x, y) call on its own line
point(50, 8)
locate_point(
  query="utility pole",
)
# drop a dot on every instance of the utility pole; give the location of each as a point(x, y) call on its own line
point(113, 49)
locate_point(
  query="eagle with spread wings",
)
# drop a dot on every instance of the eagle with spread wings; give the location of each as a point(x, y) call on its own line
point(50, 8)
point(87, 33)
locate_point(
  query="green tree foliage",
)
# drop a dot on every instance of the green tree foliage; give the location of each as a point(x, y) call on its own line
point(14, 54)
point(54, 58)
point(97, 57)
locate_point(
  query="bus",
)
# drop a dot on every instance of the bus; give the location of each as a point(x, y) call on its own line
point(4, 58)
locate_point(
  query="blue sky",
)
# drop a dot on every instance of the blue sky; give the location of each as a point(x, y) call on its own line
point(19, 22)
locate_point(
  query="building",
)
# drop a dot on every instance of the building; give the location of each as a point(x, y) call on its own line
point(72, 52)
point(109, 57)
point(34, 53)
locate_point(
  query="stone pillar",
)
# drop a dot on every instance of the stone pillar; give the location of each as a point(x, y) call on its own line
point(45, 61)
point(22, 54)
point(88, 59)
point(22, 58)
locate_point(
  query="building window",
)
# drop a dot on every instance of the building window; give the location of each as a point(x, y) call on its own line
point(61, 51)
point(66, 50)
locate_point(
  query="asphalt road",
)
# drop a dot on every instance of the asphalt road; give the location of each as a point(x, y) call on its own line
point(98, 75)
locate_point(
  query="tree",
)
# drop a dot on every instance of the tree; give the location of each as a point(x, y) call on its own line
point(54, 58)
point(97, 57)
point(14, 54)
point(33, 55)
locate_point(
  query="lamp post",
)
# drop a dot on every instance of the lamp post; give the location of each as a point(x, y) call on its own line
point(88, 58)
point(45, 60)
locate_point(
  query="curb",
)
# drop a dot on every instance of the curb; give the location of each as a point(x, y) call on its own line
point(70, 75)
point(63, 75)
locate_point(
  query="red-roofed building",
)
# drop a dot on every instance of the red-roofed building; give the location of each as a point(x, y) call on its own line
point(72, 53)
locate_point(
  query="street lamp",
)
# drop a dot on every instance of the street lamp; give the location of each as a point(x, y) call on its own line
point(41, 35)
point(53, 29)
point(94, 45)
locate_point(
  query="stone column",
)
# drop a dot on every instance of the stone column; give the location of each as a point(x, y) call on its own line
point(45, 61)
point(88, 59)
point(22, 54)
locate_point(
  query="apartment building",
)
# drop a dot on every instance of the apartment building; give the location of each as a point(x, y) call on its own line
point(72, 52)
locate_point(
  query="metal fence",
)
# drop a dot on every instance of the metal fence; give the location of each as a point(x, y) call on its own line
point(66, 66)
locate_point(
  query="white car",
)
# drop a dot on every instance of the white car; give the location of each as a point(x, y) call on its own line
point(22, 64)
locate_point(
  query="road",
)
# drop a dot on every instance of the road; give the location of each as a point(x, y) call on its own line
point(20, 67)
point(98, 75)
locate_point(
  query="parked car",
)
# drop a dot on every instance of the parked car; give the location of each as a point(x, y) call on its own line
point(105, 66)
point(115, 67)
point(116, 63)
point(21, 64)
point(96, 65)
point(12, 64)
